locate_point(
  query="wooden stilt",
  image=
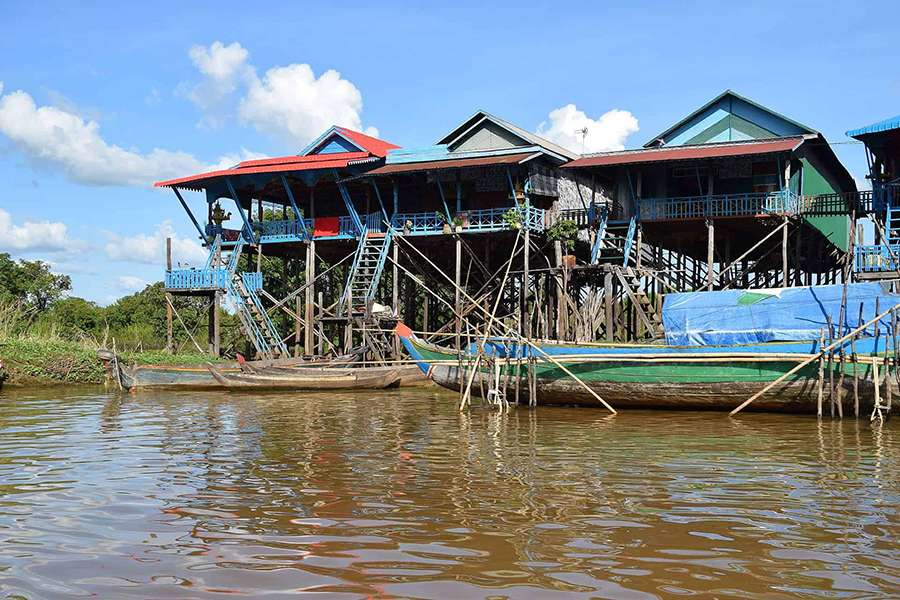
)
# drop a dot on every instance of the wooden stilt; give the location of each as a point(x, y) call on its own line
point(710, 253)
point(820, 380)
point(170, 328)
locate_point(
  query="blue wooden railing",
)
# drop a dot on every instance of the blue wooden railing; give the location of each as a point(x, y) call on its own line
point(877, 257)
point(472, 221)
point(198, 279)
point(721, 205)
point(290, 230)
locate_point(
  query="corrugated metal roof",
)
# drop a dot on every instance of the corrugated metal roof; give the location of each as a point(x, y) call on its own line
point(880, 126)
point(280, 164)
point(529, 137)
point(436, 165)
point(627, 157)
point(372, 144)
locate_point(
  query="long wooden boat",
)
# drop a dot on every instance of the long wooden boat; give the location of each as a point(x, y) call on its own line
point(310, 379)
point(198, 377)
point(656, 376)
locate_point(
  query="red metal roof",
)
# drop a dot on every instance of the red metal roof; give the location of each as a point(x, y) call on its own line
point(628, 157)
point(434, 165)
point(278, 164)
point(372, 144)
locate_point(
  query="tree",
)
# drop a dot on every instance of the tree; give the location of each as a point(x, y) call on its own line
point(31, 283)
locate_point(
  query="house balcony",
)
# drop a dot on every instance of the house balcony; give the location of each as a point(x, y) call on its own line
point(877, 258)
point(209, 279)
point(483, 220)
point(761, 204)
point(290, 230)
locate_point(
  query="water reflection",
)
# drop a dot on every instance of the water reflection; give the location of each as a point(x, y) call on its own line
point(192, 495)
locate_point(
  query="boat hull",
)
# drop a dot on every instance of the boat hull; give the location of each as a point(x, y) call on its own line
point(310, 379)
point(630, 377)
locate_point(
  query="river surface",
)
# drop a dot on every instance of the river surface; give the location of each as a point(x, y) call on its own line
point(210, 495)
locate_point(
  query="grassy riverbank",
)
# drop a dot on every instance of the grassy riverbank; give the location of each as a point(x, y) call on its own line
point(41, 361)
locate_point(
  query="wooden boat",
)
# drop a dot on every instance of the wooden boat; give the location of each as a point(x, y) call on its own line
point(657, 376)
point(409, 375)
point(198, 377)
point(311, 379)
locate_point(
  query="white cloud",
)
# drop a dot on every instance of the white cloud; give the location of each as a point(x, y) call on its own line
point(34, 236)
point(151, 248)
point(129, 283)
point(289, 103)
point(606, 133)
point(53, 135)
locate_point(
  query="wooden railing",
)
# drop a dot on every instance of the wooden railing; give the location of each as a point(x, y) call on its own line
point(720, 205)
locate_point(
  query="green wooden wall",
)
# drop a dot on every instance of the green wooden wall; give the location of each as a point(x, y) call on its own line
point(835, 227)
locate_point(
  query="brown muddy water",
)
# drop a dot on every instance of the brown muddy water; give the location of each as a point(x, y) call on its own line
point(189, 495)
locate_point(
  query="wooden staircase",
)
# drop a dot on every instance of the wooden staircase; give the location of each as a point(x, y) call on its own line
point(362, 282)
point(630, 280)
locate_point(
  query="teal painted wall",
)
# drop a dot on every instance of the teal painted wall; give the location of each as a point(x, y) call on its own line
point(837, 227)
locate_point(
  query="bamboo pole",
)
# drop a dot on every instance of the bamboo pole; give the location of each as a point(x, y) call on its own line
point(821, 352)
point(820, 378)
point(875, 410)
point(519, 337)
point(487, 327)
point(830, 366)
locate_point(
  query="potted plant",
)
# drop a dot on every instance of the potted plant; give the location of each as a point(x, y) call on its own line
point(457, 223)
point(442, 218)
point(513, 218)
point(407, 227)
point(565, 231)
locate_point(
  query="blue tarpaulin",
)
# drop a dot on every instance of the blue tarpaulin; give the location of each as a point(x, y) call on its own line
point(767, 315)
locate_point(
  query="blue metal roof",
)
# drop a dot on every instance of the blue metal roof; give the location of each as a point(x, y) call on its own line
point(886, 125)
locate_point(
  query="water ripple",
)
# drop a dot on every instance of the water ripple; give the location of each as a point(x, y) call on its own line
point(189, 495)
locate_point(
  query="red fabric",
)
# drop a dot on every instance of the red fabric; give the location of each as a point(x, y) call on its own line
point(326, 226)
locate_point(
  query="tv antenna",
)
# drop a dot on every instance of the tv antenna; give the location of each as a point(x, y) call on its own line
point(583, 131)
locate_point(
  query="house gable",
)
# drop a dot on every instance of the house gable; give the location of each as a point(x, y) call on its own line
point(729, 118)
point(483, 132)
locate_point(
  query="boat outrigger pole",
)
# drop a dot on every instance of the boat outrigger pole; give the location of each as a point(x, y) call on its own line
point(518, 336)
point(838, 342)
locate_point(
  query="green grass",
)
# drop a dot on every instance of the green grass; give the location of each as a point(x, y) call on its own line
point(30, 360)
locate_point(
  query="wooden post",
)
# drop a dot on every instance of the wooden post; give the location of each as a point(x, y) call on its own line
point(821, 376)
point(608, 305)
point(310, 293)
point(784, 253)
point(297, 326)
point(320, 347)
point(213, 324)
point(170, 330)
point(830, 365)
point(457, 320)
point(710, 253)
point(395, 293)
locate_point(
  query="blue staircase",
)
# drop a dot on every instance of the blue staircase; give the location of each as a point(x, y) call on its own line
point(891, 221)
point(242, 290)
point(362, 281)
point(614, 242)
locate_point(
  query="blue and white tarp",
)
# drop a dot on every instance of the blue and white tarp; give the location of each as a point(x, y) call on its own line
point(767, 315)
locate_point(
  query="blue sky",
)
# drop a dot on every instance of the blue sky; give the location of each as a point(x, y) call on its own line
point(100, 98)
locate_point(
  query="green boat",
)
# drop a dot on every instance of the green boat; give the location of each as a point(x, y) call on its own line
point(721, 348)
point(644, 376)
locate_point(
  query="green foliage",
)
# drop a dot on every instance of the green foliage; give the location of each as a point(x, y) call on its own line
point(31, 283)
point(32, 360)
point(565, 231)
point(513, 218)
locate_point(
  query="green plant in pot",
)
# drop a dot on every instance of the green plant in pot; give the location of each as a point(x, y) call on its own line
point(565, 231)
point(513, 218)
